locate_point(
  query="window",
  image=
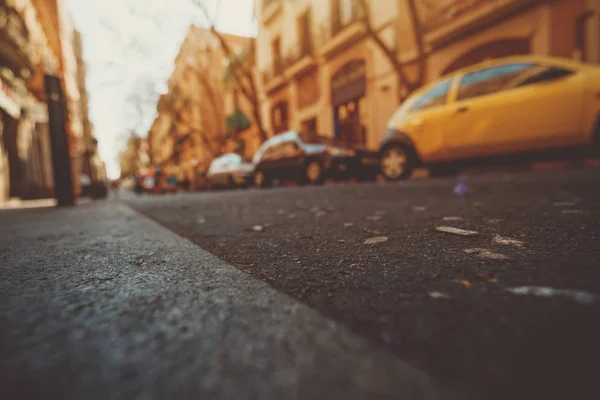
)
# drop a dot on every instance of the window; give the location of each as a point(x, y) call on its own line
point(541, 74)
point(491, 80)
point(217, 164)
point(510, 76)
point(346, 11)
point(279, 117)
point(304, 33)
point(343, 12)
point(436, 96)
point(289, 149)
point(276, 51)
point(266, 150)
point(261, 151)
point(270, 152)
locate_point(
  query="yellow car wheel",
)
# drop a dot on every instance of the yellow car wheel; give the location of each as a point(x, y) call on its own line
point(396, 162)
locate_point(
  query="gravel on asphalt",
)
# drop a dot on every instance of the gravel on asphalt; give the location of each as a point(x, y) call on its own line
point(448, 303)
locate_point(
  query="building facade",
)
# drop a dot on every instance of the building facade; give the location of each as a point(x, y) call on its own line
point(459, 33)
point(37, 39)
point(89, 163)
point(242, 131)
point(25, 56)
point(190, 128)
point(321, 69)
point(134, 159)
point(61, 37)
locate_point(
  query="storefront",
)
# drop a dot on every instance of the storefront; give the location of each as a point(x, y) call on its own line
point(15, 68)
point(348, 97)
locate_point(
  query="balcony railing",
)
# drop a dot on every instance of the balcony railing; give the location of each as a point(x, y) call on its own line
point(272, 74)
point(298, 52)
point(337, 33)
point(339, 21)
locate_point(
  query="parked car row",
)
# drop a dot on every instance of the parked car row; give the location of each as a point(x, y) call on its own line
point(304, 159)
point(494, 111)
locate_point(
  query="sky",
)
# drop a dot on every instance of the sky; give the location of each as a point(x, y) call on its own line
point(129, 48)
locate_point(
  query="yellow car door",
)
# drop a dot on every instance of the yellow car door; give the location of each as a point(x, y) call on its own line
point(515, 107)
point(475, 126)
point(542, 108)
point(426, 119)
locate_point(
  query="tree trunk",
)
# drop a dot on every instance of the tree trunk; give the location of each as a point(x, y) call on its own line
point(403, 81)
point(418, 32)
point(220, 117)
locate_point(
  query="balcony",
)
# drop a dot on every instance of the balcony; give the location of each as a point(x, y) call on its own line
point(461, 17)
point(270, 9)
point(300, 58)
point(341, 32)
point(274, 78)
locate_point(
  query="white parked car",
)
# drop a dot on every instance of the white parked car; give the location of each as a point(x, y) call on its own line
point(230, 170)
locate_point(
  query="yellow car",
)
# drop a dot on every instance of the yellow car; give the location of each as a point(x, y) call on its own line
point(504, 107)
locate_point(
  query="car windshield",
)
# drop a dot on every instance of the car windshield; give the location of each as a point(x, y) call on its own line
point(316, 138)
point(282, 137)
point(258, 155)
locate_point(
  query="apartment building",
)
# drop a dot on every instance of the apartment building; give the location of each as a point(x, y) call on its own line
point(458, 33)
point(243, 133)
point(30, 48)
point(191, 124)
point(89, 163)
point(322, 70)
point(60, 32)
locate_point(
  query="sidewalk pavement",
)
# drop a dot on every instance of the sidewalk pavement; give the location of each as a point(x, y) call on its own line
point(98, 302)
point(16, 203)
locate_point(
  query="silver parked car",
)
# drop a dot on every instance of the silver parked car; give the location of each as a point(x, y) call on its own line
point(229, 170)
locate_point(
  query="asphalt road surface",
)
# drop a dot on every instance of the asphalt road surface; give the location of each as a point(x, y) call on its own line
point(512, 312)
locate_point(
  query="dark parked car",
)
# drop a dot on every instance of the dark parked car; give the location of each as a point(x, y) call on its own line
point(310, 159)
point(229, 170)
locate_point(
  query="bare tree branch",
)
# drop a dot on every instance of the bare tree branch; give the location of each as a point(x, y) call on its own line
point(243, 77)
point(391, 55)
point(418, 32)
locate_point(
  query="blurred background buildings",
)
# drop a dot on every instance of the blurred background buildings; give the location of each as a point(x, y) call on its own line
point(341, 68)
point(198, 116)
point(37, 39)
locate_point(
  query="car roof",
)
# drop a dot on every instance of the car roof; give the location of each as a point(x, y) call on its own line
point(289, 135)
point(524, 59)
point(227, 155)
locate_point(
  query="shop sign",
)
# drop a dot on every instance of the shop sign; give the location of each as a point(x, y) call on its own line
point(13, 25)
point(9, 100)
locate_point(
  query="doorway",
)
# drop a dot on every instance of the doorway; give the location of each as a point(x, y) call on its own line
point(350, 132)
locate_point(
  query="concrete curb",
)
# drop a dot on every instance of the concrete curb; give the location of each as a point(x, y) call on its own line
point(101, 302)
